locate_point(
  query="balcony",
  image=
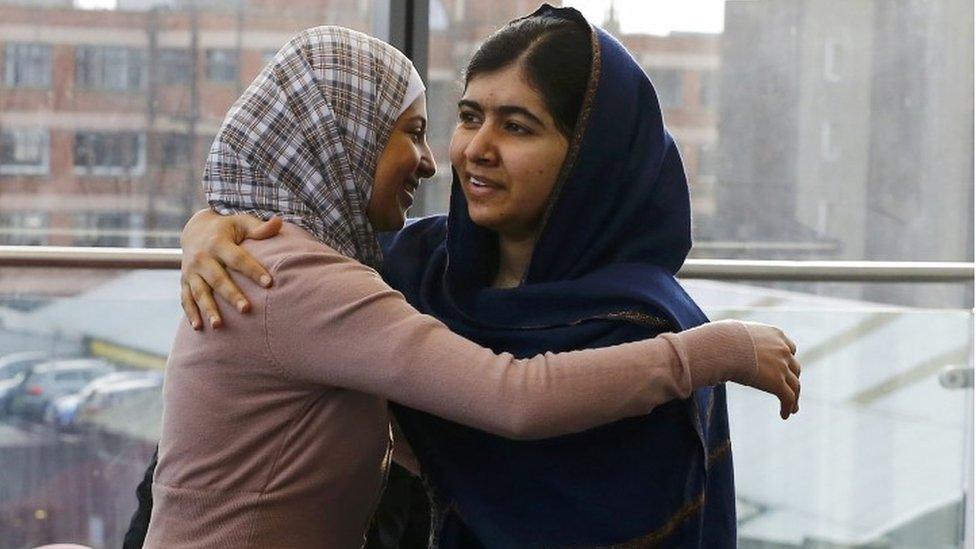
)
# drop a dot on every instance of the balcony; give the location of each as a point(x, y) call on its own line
point(880, 454)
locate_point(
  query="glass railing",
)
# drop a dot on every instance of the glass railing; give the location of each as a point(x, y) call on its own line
point(877, 456)
point(81, 361)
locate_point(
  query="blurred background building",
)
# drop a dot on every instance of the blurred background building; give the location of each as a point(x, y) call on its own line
point(845, 133)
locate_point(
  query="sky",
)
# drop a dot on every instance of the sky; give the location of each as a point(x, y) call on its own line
point(95, 4)
point(640, 16)
point(657, 16)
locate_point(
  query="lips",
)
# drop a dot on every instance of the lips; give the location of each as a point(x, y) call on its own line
point(409, 188)
point(482, 187)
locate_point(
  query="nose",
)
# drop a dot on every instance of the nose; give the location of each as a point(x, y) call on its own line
point(427, 167)
point(480, 149)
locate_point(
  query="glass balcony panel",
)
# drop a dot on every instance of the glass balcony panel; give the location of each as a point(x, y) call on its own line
point(876, 455)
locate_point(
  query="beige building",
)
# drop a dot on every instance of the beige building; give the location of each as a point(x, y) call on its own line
point(846, 133)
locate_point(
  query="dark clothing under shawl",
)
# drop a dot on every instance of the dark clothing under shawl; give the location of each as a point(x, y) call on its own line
point(602, 273)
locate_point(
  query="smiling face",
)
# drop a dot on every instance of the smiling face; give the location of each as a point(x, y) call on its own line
point(404, 162)
point(507, 152)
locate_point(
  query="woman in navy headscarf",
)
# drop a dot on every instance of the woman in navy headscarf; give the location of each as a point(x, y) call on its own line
point(608, 239)
point(569, 217)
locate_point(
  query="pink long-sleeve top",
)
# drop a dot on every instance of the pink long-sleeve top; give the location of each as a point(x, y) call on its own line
point(275, 429)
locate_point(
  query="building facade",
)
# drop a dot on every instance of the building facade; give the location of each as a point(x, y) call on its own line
point(846, 134)
point(106, 115)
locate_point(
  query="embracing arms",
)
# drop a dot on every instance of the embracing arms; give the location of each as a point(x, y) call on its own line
point(752, 354)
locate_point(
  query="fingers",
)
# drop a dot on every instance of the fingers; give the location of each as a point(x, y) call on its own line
point(229, 291)
point(795, 366)
point(200, 292)
point(791, 404)
point(190, 307)
point(792, 381)
point(789, 342)
point(787, 401)
point(217, 279)
point(266, 229)
point(238, 259)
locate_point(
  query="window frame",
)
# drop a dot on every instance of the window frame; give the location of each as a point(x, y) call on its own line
point(43, 168)
point(12, 62)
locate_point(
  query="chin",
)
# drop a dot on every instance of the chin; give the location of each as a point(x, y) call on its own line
point(485, 219)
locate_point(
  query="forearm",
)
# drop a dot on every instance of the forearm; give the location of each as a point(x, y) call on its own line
point(332, 321)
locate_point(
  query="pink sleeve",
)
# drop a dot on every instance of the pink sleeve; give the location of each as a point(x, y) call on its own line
point(331, 320)
point(717, 352)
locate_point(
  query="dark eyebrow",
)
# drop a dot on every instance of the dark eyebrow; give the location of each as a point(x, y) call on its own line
point(503, 109)
point(474, 105)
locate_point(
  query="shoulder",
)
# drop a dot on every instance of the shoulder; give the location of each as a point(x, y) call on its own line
point(297, 253)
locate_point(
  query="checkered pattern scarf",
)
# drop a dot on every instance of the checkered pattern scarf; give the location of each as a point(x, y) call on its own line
point(304, 139)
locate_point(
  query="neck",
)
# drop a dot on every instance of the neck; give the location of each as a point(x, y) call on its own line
point(514, 255)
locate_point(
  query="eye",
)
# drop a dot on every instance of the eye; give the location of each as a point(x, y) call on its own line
point(418, 135)
point(467, 118)
point(516, 128)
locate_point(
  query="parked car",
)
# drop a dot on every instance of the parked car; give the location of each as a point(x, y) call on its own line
point(15, 363)
point(12, 368)
point(47, 381)
point(102, 393)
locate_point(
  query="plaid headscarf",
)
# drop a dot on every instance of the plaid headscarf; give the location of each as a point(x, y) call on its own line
point(304, 139)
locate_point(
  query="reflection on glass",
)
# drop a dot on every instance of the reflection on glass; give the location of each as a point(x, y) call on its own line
point(81, 369)
point(818, 129)
point(106, 114)
point(876, 455)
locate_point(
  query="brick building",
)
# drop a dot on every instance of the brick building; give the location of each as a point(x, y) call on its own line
point(106, 115)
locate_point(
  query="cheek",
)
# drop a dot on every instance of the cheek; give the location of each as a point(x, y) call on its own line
point(456, 150)
point(402, 160)
point(386, 181)
point(536, 174)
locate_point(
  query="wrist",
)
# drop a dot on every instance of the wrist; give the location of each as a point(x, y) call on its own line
point(721, 351)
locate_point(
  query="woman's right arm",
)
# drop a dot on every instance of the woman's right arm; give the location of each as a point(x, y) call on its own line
point(333, 321)
point(211, 243)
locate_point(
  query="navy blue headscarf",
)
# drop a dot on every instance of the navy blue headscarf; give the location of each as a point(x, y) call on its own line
point(617, 230)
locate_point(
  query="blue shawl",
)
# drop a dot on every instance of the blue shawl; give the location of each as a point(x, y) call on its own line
point(617, 230)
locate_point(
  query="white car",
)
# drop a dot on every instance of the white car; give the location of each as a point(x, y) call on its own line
point(110, 391)
point(45, 382)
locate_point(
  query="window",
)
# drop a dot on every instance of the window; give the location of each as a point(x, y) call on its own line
point(110, 68)
point(24, 152)
point(109, 153)
point(709, 93)
point(707, 162)
point(175, 150)
point(104, 229)
point(20, 228)
point(831, 60)
point(174, 66)
point(70, 375)
point(27, 65)
point(222, 66)
point(829, 150)
point(669, 85)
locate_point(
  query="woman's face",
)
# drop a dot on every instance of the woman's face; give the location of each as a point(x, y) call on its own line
point(403, 163)
point(507, 152)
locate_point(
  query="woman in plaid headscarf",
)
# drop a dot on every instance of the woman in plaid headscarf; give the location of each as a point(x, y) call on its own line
point(275, 431)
